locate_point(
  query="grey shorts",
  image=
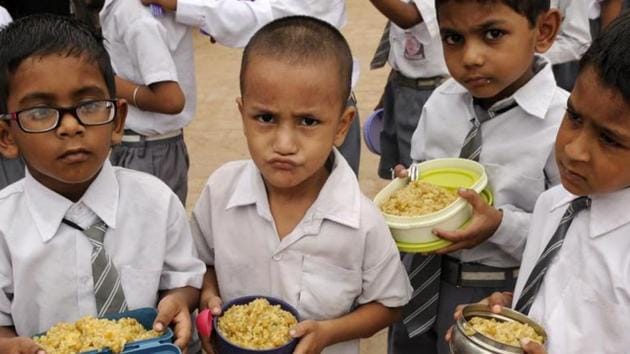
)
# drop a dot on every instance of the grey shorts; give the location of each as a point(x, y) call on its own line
point(166, 159)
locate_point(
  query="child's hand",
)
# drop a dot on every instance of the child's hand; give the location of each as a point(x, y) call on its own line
point(485, 221)
point(169, 5)
point(399, 171)
point(19, 345)
point(173, 310)
point(214, 303)
point(313, 334)
point(495, 302)
point(531, 347)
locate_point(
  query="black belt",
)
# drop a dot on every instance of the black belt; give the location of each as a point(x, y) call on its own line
point(476, 275)
point(419, 83)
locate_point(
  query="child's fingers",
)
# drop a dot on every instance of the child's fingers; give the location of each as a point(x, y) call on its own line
point(531, 347)
point(400, 171)
point(496, 301)
point(303, 328)
point(167, 310)
point(473, 198)
point(449, 334)
point(205, 344)
point(214, 304)
point(182, 329)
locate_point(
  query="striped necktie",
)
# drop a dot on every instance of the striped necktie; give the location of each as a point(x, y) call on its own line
point(382, 51)
point(471, 148)
point(421, 311)
point(537, 275)
point(108, 291)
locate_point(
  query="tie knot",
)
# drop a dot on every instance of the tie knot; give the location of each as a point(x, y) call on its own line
point(580, 204)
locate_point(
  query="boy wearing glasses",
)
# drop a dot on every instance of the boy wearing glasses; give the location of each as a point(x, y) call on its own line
point(77, 236)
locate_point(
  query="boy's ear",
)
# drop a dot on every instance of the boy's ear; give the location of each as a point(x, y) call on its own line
point(118, 127)
point(345, 122)
point(548, 26)
point(8, 147)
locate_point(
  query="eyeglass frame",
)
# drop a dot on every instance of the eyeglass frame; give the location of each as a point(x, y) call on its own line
point(61, 111)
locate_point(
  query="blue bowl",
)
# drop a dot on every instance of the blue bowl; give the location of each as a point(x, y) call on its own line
point(226, 347)
point(372, 131)
point(158, 345)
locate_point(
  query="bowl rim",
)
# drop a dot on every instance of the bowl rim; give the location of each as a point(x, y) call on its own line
point(242, 300)
point(506, 314)
point(438, 216)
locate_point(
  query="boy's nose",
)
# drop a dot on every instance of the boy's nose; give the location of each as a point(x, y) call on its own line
point(473, 55)
point(285, 141)
point(69, 125)
point(577, 149)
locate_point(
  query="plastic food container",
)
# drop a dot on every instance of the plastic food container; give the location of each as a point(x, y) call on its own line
point(225, 347)
point(465, 342)
point(414, 233)
point(159, 345)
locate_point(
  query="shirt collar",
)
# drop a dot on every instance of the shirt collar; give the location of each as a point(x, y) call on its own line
point(49, 208)
point(338, 201)
point(606, 211)
point(534, 97)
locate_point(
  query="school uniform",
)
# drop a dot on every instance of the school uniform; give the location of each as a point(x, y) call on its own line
point(146, 50)
point(418, 67)
point(5, 17)
point(340, 255)
point(517, 153)
point(233, 23)
point(572, 41)
point(584, 299)
point(45, 264)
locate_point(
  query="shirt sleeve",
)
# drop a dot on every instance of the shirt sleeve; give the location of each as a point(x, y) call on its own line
point(429, 16)
point(147, 42)
point(574, 37)
point(384, 278)
point(229, 22)
point(182, 266)
point(201, 227)
point(6, 285)
point(512, 232)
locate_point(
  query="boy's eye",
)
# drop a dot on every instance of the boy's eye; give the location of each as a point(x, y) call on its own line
point(452, 38)
point(39, 113)
point(494, 34)
point(309, 122)
point(265, 118)
point(609, 140)
point(573, 118)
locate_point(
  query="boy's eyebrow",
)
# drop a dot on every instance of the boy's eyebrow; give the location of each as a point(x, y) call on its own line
point(38, 97)
point(477, 28)
point(621, 136)
point(89, 90)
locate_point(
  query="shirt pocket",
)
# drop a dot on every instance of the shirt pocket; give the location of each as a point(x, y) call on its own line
point(327, 291)
point(593, 323)
point(141, 286)
point(514, 185)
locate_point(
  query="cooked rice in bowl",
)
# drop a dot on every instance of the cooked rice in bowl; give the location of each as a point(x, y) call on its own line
point(257, 325)
point(506, 332)
point(90, 333)
point(418, 198)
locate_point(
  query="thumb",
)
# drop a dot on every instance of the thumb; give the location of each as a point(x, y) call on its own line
point(301, 329)
point(214, 304)
point(531, 347)
point(166, 313)
point(472, 197)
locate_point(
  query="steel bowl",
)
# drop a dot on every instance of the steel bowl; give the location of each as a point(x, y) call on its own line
point(465, 340)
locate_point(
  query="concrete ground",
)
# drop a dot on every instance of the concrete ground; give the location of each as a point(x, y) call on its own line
point(215, 135)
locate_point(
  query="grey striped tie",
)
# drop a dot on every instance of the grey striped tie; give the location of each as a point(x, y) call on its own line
point(471, 148)
point(537, 275)
point(421, 312)
point(382, 51)
point(108, 291)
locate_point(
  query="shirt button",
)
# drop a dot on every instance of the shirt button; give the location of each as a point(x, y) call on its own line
point(277, 257)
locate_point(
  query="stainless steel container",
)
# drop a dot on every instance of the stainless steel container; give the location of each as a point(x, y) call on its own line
point(467, 341)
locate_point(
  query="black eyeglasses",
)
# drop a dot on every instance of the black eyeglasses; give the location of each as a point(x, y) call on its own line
point(43, 119)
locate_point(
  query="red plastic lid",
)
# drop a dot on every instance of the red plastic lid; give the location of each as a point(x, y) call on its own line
point(204, 323)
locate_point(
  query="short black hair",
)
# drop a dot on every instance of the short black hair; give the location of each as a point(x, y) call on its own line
point(609, 55)
point(299, 40)
point(531, 9)
point(41, 35)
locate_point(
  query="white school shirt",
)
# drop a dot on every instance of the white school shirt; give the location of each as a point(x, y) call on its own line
point(234, 22)
point(146, 50)
point(517, 153)
point(417, 52)
point(574, 37)
point(5, 17)
point(584, 300)
point(45, 268)
point(340, 255)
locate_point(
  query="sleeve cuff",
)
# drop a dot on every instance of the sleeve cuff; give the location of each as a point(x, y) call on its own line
point(174, 280)
point(190, 12)
point(511, 234)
